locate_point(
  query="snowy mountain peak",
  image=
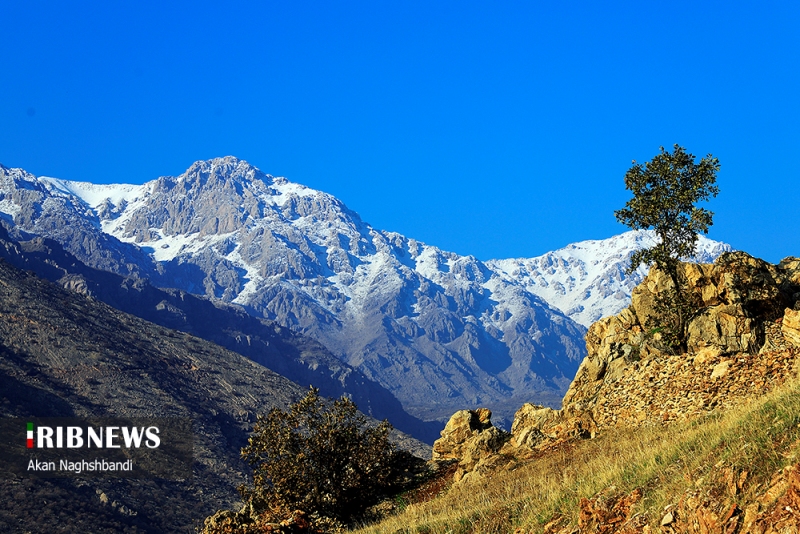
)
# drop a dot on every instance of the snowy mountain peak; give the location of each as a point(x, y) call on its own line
point(441, 331)
point(588, 280)
point(226, 169)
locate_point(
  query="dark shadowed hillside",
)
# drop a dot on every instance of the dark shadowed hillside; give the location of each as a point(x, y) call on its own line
point(297, 357)
point(65, 354)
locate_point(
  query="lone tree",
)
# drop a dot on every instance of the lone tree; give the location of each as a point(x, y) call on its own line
point(665, 193)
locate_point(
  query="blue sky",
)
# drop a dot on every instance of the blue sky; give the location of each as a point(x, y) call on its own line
point(497, 129)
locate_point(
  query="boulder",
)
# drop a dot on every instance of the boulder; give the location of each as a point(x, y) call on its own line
point(536, 426)
point(469, 437)
point(462, 427)
point(790, 326)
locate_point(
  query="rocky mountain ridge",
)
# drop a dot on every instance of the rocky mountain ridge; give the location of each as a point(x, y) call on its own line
point(440, 331)
point(436, 329)
point(588, 280)
point(743, 342)
point(292, 355)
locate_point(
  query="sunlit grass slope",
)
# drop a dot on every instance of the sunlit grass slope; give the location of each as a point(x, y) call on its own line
point(665, 462)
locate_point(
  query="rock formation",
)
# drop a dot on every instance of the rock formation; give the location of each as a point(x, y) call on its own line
point(737, 347)
point(470, 439)
point(438, 330)
point(743, 340)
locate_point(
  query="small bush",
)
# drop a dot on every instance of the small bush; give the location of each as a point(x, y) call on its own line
point(324, 459)
point(674, 309)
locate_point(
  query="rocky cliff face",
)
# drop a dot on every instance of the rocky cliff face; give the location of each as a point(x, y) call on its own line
point(742, 342)
point(292, 355)
point(440, 331)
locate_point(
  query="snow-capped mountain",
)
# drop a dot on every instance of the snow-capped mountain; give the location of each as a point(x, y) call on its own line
point(588, 280)
point(441, 331)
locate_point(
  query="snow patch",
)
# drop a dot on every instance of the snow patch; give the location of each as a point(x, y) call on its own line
point(93, 194)
point(254, 281)
point(9, 207)
point(286, 188)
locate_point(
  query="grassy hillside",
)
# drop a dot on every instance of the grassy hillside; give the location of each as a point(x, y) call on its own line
point(689, 471)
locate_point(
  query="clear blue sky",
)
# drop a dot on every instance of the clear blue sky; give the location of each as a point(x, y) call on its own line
point(498, 129)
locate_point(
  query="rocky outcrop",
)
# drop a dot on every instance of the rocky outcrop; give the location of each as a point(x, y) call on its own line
point(536, 427)
point(479, 448)
point(743, 340)
point(738, 345)
point(470, 439)
point(247, 521)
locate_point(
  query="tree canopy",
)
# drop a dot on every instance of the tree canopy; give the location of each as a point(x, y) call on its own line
point(322, 458)
point(665, 193)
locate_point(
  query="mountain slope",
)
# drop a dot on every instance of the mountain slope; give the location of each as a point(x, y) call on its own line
point(649, 439)
point(440, 331)
point(294, 356)
point(587, 280)
point(63, 354)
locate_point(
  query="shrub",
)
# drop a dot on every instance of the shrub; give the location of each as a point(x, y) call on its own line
point(322, 458)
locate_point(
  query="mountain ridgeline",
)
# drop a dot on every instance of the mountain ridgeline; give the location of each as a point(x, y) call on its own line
point(294, 356)
point(441, 332)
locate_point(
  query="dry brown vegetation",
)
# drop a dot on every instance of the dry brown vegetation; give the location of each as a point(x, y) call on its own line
point(724, 458)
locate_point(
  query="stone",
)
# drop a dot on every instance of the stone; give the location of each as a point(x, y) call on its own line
point(790, 326)
point(720, 370)
point(609, 511)
point(462, 427)
point(706, 354)
point(668, 519)
point(726, 326)
point(469, 437)
point(529, 422)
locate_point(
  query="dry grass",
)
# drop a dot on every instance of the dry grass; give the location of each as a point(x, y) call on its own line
point(759, 438)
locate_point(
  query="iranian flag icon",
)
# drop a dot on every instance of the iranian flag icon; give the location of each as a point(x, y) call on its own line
point(30, 435)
